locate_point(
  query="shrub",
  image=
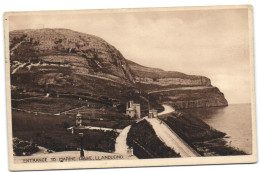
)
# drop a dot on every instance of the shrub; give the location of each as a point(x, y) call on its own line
point(22, 148)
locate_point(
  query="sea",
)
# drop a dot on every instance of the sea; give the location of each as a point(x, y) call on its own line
point(235, 120)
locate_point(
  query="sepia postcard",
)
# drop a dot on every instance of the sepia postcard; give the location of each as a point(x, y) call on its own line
point(130, 87)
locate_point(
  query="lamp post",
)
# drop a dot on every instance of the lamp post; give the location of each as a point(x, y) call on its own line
point(148, 102)
point(81, 144)
point(148, 105)
point(81, 135)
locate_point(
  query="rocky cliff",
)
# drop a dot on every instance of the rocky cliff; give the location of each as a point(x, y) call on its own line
point(191, 97)
point(65, 61)
point(155, 76)
point(177, 89)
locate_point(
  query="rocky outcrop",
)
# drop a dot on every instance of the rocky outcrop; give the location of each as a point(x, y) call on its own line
point(146, 75)
point(192, 98)
point(174, 81)
point(177, 89)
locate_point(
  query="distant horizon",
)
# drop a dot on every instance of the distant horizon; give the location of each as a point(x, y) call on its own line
point(239, 103)
point(210, 43)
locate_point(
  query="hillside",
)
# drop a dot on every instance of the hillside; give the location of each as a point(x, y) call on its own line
point(62, 61)
point(66, 48)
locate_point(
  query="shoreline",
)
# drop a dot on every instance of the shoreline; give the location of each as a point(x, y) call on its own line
point(234, 120)
point(210, 142)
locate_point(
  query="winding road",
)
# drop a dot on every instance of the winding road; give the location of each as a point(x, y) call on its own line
point(167, 109)
point(169, 137)
point(181, 88)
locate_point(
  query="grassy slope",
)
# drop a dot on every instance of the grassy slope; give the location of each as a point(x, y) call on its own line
point(92, 112)
point(142, 135)
point(51, 132)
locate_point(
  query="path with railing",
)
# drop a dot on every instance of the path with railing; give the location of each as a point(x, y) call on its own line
point(169, 137)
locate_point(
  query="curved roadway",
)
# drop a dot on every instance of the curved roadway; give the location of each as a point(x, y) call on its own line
point(169, 137)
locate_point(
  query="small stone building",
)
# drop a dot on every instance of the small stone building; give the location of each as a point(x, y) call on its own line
point(153, 113)
point(133, 109)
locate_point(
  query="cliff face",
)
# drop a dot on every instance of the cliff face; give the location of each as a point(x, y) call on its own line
point(146, 75)
point(191, 97)
point(177, 89)
point(65, 61)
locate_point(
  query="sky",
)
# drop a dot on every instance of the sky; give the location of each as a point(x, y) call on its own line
point(211, 43)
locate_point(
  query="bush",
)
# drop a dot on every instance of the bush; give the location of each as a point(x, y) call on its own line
point(23, 148)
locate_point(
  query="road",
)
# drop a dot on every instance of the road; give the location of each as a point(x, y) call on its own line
point(97, 128)
point(181, 88)
point(171, 139)
point(167, 109)
point(121, 147)
point(64, 112)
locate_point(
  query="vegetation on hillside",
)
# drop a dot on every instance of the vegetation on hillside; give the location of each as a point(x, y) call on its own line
point(146, 144)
